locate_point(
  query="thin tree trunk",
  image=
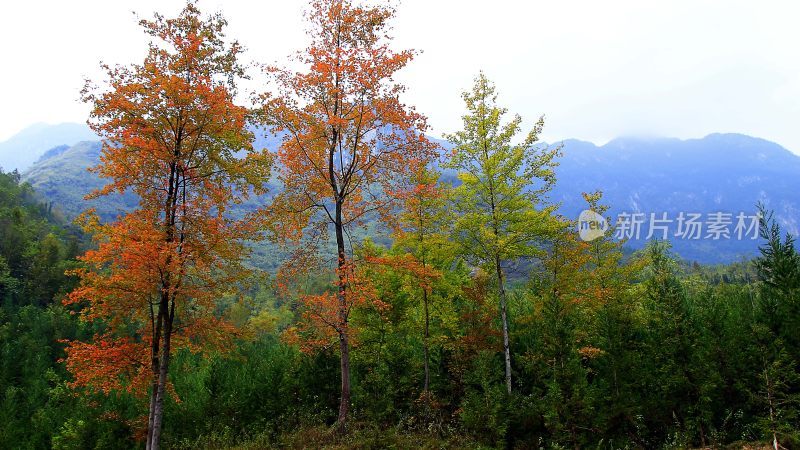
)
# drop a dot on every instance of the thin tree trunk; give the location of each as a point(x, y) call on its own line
point(166, 307)
point(158, 410)
point(150, 414)
point(153, 397)
point(155, 357)
point(425, 340)
point(500, 279)
point(344, 403)
point(775, 444)
point(344, 340)
point(504, 319)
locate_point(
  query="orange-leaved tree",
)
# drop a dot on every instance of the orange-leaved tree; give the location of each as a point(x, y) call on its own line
point(587, 273)
point(172, 135)
point(349, 142)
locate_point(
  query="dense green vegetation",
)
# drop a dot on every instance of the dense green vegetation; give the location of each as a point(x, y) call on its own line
point(674, 357)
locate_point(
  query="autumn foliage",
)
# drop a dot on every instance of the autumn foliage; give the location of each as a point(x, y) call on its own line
point(349, 143)
point(172, 135)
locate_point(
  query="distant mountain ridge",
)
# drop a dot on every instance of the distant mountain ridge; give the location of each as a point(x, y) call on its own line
point(20, 151)
point(720, 173)
point(732, 167)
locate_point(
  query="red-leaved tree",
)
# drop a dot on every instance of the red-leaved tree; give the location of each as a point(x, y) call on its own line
point(172, 135)
point(349, 145)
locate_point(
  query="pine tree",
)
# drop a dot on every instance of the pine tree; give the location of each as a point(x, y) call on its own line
point(775, 331)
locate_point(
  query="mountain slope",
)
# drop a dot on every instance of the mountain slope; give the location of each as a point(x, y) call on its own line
point(721, 173)
point(24, 148)
point(725, 173)
point(64, 180)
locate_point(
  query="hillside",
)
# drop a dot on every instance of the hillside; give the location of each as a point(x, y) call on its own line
point(24, 148)
point(725, 173)
point(63, 180)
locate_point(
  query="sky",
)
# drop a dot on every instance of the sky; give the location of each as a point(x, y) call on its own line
point(596, 69)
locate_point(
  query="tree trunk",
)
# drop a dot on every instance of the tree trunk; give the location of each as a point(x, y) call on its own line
point(344, 402)
point(151, 412)
point(166, 309)
point(155, 358)
point(425, 340)
point(775, 444)
point(344, 339)
point(158, 407)
point(504, 319)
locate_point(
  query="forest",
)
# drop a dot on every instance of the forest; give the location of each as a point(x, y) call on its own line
point(486, 321)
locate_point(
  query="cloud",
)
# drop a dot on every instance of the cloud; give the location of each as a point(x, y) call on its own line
point(597, 70)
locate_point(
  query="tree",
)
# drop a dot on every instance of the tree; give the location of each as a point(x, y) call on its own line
point(422, 232)
point(171, 135)
point(775, 329)
point(348, 142)
point(675, 350)
point(609, 274)
point(502, 185)
point(778, 268)
point(565, 299)
point(614, 327)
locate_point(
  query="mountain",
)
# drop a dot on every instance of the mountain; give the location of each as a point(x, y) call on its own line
point(726, 174)
point(61, 177)
point(721, 173)
point(24, 148)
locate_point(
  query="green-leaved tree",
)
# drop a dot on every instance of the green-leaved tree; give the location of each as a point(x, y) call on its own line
point(501, 202)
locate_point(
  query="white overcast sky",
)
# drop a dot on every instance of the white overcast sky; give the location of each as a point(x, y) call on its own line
point(596, 69)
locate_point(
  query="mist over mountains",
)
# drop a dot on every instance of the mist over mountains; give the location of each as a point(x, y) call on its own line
point(720, 174)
